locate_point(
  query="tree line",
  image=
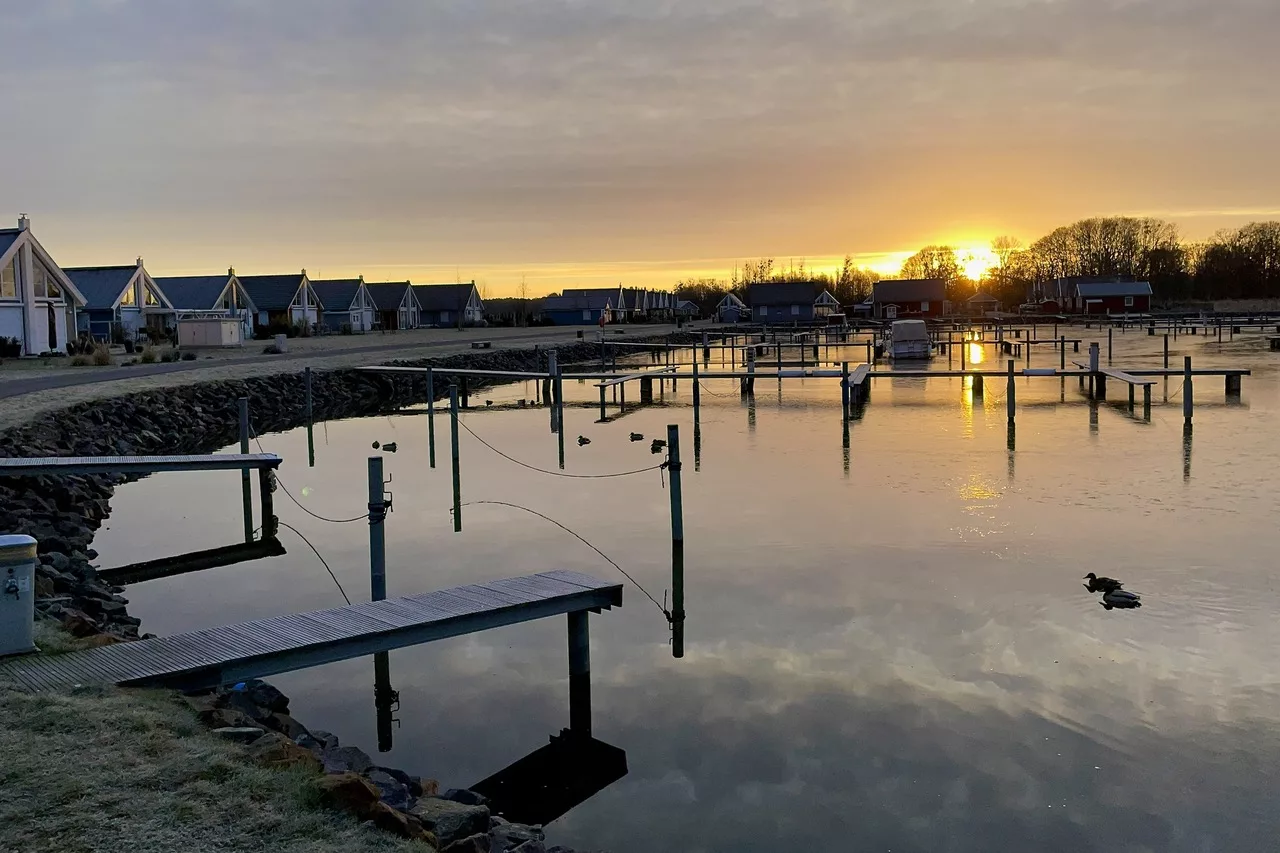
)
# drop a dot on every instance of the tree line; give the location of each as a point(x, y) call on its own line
point(1239, 263)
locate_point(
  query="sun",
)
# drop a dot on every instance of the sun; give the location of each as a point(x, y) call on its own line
point(975, 260)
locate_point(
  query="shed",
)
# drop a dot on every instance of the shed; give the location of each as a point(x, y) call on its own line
point(197, 332)
point(909, 297)
point(1111, 297)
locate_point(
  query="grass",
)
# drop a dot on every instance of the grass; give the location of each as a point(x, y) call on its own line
point(102, 355)
point(148, 356)
point(105, 769)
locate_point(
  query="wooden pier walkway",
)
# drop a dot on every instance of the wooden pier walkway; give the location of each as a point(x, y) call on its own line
point(223, 655)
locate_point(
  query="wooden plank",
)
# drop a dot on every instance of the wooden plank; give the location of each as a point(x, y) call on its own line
point(62, 465)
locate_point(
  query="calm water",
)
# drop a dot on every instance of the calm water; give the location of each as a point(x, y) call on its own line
point(896, 654)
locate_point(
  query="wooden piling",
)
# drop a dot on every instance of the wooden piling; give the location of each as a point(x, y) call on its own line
point(377, 532)
point(677, 542)
point(1187, 407)
point(246, 490)
point(431, 417)
point(844, 390)
point(579, 674)
point(548, 390)
point(697, 389)
point(457, 463)
point(311, 438)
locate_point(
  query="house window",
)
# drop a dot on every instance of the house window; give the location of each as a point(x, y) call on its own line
point(795, 310)
point(152, 299)
point(1128, 302)
point(9, 279)
point(130, 297)
point(924, 306)
point(46, 285)
point(760, 311)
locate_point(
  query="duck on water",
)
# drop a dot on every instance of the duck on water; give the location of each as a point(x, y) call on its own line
point(1097, 584)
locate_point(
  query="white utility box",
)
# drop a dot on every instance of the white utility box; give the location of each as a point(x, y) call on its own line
point(17, 595)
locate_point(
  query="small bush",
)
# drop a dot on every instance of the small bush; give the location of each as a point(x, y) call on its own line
point(168, 356)
point(102, 355)
point(148, 355)
point(188, 356)
point(81, 361)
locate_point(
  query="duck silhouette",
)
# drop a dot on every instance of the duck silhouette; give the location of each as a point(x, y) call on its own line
point(637, 436)
point(657, 446)
point(583, 441)
point(1121, 598)
point(1097, 584)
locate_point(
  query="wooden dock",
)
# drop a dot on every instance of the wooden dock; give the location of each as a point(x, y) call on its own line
point(231, 653)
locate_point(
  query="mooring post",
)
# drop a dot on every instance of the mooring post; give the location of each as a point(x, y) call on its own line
point(559, 393)
point(677, 542)
point(548, 390)
point(751, 373)
point(1010, 406)
point(1146, 402)
point(844, 390)
point(246, 490)
point(603, 413)
point(977, 386)
point(706, 347)
point(464, 392)
point(1166, 352)
point(579, 674)
point(377, 532)
point(457, 463)
point(385, 699)
point(1062, 352)
point(266, 483)
point(431, 417)
point(1186, 391)
point(1109, 331)
point(697, 388)
point(311, 438)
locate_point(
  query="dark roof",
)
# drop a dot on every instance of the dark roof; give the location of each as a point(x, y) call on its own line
point(271, 292)
point(8, 236)
point(910, 290)
point(101, 286)
point(1113, 288)
point(982, 296)
point(336, 294)
point(731, 299)
point(783, 293)
point(387, 295)
point(193, 292)
point(443, 297)
point(589, 302)
point(614, 294)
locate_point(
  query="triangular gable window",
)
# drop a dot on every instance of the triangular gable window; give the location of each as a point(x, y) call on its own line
point(46, 285)
point(152, 299)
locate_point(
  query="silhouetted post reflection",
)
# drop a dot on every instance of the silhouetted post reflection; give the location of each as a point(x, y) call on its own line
point(751, 413)
point(845, 442)
point(311, 441)
point(1093, 416)
point(1186, 451)
point(697, 444)
point(1011, 444)
point(385, 700)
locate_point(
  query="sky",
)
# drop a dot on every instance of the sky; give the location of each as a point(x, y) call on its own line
point(575, 143)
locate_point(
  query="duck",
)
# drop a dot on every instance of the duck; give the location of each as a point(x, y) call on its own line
point(657, 446)
point(1097, 584)
point(488, 402)
point(637, 436)
point(1121, 598)
point(389, 447)
point(583, 441)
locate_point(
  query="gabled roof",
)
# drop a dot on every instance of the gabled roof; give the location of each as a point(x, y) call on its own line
point(1095, 289)
point(614, 293)
point(101, 286)
point(271, 292)
point(783, 293)
point(731, 300)
point(336, 294)
point(193, 292)
point(589, 302)
point(388, 295)
point(10, 236)
point(686, 305)
point(982, 296)
point(910, 290)
point(443, 297)
point(825, 298)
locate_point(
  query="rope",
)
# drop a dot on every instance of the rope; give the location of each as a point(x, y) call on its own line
point(704, 387)
point(314, 515)
point(558, 473)
point(607, 558)
point(323, 562)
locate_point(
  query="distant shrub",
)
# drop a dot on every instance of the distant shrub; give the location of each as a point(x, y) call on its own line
point(169, 356)
point(148, 355)
point(81, 361)
point(102, 355)
point(188, 356)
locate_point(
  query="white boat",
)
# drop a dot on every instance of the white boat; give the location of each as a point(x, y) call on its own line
point(909, 339)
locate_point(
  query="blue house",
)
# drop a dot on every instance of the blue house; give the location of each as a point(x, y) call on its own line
point(579, 310)
point(281, 300)
point(209, 296)
point(731, 309)
point(344, 302)
point(120, 302)
point(790, 302)
point(449, 304)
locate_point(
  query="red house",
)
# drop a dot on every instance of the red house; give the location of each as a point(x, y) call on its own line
point(915, 298)
point(1110, 297)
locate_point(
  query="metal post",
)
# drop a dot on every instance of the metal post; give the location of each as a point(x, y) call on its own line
point(246, 490)
point(1186, 391)
point(697, 389)
point(548, 390)
point(751, 372)
point(431, 416)
point(377, 532)
point(306, 378)
point(266, 482)
point(844, 390)
point(1010, 407)
point(1146, 402)
point(579, 674)
point(964, 354)
point(385, 699)
point(1166, 352)
point(457, 466)
point(603, 414)
point(1062, 352)
point(1109, 331)
point(559, 405)
point(464, 392)
point(677, 542)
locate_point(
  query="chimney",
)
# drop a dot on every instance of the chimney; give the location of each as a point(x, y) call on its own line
point(23, 222)
point(231, 271)
point(139, 261)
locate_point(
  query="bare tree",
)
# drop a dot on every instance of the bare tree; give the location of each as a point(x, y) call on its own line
point(1003, 248)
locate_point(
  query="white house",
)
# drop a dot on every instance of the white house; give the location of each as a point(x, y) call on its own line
point(38, 302)
point(210, 296)
point(281, 299)
point(123, 299)
point(396, 304)
point(344, 302)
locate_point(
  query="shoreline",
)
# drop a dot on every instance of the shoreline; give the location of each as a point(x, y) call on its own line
point(63, 514)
